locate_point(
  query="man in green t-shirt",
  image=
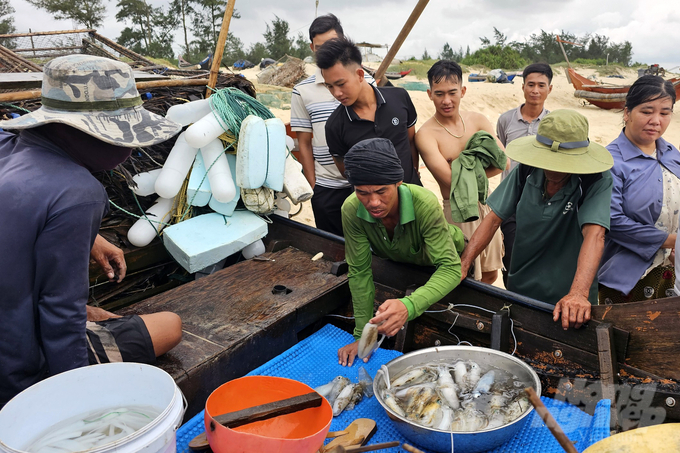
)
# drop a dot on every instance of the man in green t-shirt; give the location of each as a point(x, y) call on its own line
point(396, 221)
point(560, 195)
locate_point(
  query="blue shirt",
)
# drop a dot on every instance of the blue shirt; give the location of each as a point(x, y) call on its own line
point(51, 211)
point(633, 240)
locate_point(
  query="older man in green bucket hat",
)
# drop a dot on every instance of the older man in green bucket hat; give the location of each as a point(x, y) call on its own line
point(560, 194)
point(91, 118)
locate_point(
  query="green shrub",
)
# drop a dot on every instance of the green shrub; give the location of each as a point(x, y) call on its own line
point(590, 61)
point(496, 57)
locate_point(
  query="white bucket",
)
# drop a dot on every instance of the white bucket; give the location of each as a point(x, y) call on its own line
point(89, 389)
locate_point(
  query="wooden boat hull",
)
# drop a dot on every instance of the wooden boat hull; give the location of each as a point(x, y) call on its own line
point(233, 323)
point(605, 96)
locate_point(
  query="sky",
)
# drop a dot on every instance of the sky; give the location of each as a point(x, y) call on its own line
point(653, 28)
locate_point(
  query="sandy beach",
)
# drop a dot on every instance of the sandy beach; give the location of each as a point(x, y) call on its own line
point(492, 99)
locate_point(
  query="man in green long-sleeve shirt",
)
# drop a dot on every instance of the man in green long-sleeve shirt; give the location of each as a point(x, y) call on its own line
point(400, 222)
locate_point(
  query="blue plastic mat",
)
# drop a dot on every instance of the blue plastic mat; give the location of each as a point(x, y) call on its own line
point(314, 361)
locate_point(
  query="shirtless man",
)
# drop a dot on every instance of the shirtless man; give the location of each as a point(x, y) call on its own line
point(441, 140)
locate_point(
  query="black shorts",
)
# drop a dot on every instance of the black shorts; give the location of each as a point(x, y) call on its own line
point(123, 339)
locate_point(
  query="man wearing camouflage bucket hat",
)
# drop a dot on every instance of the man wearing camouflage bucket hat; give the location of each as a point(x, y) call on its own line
point(560, 194)
point(91, 118)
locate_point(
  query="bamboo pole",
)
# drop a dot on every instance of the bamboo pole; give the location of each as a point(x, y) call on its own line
point(219, 49)
point(19, 96)
point(406, 29)
point(171, 83)
point(134, 56)
point(17, 59)
point(35, 94)
point(550, 422)
point(45, 33)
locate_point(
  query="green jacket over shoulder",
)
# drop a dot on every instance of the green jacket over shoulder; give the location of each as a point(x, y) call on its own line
point(422, 237)
point(469, 183)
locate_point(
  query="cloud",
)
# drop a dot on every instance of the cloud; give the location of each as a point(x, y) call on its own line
point(652, 27)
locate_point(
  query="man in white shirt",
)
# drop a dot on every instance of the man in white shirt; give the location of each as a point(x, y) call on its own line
point(311, 105)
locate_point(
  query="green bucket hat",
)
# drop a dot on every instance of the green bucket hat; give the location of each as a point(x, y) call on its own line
point(99, 97)
point(562, 145)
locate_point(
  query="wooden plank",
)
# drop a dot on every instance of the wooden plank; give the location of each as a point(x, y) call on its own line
point(235, 311)
point(608, 366)
point(500, 331)
point(654, 326)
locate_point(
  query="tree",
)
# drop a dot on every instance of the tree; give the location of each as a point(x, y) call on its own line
point(233, 50)
point(446, 53)
point(426, 56)
point(206, 22)
point(499, 37)
point(256, 52)
point(301, 47)
point(151, 31)
point(89, 13)
point(276, 39)
point(184, 9)
point(6, 22)
point(495, 56)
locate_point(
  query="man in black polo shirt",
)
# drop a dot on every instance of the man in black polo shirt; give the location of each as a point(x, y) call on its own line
point(366, 112)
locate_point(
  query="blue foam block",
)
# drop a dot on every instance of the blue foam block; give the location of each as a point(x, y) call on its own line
point(314, 361)
point(227, 208)
point(276, 157)
point(251, 155)
point(198, 187)
point(204, 240)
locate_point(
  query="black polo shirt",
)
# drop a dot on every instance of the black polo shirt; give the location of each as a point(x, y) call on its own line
point(394, 115)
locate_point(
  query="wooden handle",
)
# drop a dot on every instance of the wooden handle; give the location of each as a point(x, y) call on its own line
point(219, 49)
point(258, 413)
point(360, 449)
point(411, 449)
point(406, 29)
point(35, 94)
point(550, 422)
point(269, 410)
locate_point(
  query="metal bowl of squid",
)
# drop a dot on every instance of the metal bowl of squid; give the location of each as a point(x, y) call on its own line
point(469, 442)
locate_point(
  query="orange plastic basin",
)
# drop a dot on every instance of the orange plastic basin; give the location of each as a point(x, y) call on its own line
point(299, 432)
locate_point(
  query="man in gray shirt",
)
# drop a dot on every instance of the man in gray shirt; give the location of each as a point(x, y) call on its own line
point(522, 122)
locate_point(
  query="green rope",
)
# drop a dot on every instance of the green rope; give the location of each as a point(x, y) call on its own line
point(138, 216)
point(232, 106)
point(15, 107)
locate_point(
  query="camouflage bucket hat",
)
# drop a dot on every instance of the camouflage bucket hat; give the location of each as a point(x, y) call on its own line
point(99, 97)
point(561, 144)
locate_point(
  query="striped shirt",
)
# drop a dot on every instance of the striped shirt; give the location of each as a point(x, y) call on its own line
point(310, 107)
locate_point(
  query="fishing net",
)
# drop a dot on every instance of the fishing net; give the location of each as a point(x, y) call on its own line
point(155, 270)
point(286, 75)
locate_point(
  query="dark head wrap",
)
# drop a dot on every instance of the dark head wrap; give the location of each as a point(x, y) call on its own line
point(373, 162)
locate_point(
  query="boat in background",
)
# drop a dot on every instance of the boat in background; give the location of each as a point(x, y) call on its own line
point(604, 95)
point(397, 75)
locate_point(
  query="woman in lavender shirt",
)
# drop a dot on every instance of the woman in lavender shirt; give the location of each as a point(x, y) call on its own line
point(637, 261)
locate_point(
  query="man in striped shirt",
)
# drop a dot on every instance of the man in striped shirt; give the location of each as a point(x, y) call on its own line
point(311, 105)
